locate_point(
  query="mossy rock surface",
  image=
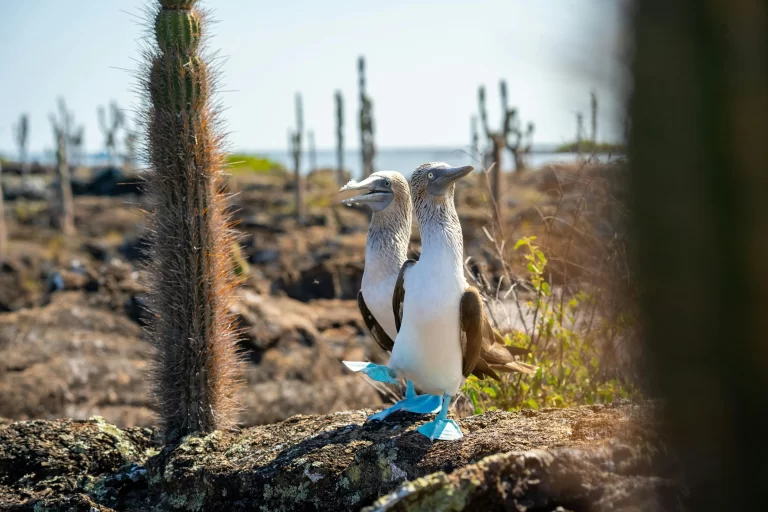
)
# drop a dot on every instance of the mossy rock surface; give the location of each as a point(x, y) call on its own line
point(586, 458)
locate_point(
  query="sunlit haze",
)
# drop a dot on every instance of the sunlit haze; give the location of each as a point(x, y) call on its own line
point(425, 61)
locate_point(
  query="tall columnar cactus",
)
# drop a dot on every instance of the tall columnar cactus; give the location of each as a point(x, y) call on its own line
point(295, 139)
point(579, 131)
point(110, 125)
point(3, 229)
point(475, 137)
point(339, 138)
point(593, 110)
point(511, 136)
point(197, 368)
point(62, 133)
point(22, 136)
point(367, 146)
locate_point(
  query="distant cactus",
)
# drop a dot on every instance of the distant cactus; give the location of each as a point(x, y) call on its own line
point(367, 146)
point(62, 133)
point(593, 109)
point(475, 138)
point(197, 368)
point(295, 139)
point(110, 127)
point(579, 131)
point(519, 143)
point(22, 136)
point(339, 138)
point(3, 229)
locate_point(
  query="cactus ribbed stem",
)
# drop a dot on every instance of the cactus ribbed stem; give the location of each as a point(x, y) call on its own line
point(339, 138)
point(295, 139)
point(367, 147)
point(197, 367)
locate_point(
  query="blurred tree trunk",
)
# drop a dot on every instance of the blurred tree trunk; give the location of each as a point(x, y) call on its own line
point(699, 153)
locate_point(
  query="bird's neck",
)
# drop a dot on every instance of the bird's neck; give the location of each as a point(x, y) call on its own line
point(441, 233)
point(387, 246)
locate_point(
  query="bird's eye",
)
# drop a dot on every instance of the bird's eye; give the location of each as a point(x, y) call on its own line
point(430, 175)
point(387, 183)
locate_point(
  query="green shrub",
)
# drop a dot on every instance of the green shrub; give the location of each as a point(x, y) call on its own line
point(240, 163)
point(571, 345)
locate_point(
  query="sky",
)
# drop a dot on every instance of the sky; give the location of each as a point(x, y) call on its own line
point(425, 61)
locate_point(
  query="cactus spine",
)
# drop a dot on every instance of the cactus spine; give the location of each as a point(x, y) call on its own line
point(295, 139)
point(197, 368)
point(62, 133)
point(367, 147)
point(519, 143)
point(339, 138)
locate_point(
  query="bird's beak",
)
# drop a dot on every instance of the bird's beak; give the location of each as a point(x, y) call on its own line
point(375, 194)
point(445, 177)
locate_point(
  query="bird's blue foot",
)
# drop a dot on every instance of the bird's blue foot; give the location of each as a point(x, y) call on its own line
point(377, 372)
point(421, 404)
point(442, 428)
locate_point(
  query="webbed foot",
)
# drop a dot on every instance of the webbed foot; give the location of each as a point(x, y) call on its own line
point(377, 372)
point(420, 404)
point(442, 429)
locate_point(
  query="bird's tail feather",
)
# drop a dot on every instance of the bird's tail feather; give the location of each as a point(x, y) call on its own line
point(514, 366)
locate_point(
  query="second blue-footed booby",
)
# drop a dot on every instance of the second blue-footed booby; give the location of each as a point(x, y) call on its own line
point(386, 193)
point(444, 335)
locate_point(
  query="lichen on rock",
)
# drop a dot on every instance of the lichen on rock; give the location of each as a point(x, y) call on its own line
point(583, 458)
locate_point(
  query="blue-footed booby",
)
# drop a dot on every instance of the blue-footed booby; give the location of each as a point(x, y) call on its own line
point(386, 193)
point(443, 336)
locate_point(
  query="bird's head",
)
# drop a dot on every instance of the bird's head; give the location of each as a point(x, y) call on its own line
point(379, 190)
point(434, 182)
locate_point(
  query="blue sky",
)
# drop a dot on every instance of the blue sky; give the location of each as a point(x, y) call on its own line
point(425, 60)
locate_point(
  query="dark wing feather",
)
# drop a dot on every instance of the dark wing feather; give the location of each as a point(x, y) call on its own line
point(377, 331)
point(472, 323)
point(482, 343)
point(398, 296)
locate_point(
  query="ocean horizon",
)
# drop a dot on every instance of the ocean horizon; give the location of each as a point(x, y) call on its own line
point(403, 160)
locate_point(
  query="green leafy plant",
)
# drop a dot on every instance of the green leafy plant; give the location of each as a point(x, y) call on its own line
point(242, 163)
point(570, 345)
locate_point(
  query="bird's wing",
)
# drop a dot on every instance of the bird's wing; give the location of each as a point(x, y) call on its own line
point(485, 350)
point(377, 331)
point(472, 323)
point(398, 296)
point(499, 356)
point(496, 340)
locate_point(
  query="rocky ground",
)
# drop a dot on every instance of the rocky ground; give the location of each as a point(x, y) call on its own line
point(596, 458)
point(71, 342)
point(72, 346)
